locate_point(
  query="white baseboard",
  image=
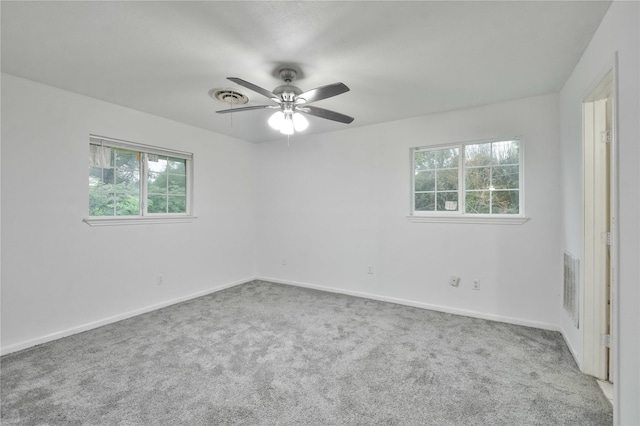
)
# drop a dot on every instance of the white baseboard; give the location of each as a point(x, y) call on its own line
point(439, 308)
point(79, 329)
point(95, 324)
point(573, 352)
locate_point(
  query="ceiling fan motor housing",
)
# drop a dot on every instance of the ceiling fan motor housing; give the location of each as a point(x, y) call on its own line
point(287, 91)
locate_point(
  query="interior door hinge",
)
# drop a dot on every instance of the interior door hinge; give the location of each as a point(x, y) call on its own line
point(605, 237)
point(605, 136)
point(606, 340)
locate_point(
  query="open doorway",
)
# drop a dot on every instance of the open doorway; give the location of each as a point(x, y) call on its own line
point(599, 230)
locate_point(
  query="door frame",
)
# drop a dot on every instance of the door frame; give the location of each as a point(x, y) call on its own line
point(596, 360)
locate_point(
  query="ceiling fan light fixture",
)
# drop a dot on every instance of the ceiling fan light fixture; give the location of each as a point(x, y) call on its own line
point(276, 120)
point(287, 122)
point(286, 128)
point(300, 123)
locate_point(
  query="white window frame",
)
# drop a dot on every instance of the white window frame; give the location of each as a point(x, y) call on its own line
point(460, 216)
point(144, 217)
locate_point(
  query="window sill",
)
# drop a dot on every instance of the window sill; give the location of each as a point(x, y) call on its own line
point(137, 220)
point(494, 220)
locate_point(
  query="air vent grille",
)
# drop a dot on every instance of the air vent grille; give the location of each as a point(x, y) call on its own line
point(571, 297)
point(229, 96)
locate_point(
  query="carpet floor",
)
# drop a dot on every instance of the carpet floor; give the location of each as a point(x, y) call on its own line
point(269, 354)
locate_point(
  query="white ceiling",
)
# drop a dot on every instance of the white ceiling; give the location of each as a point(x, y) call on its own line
point(400, 59)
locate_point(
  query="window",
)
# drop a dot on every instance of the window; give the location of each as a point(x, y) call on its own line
point(134, 181)
point(479, 179)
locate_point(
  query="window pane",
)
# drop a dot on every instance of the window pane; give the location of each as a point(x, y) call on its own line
point(505, 177)
point(446, 158)
point(101, 203)
point(447, 201)
point(93, 148)
point(128, 180)
point(447, 180)
point(127, 204)
point(477, 202)
point(158, 166)
point(425, 202)
point(477, 178)
point(477, 155)
point(99, 176)
point(437, 159)
point(506, 152)
point(177, 166)
point(424, 160)
point(505, 202)
point(177, 204)
point(126, 159)
point(95, 188)
point(426, 180)
point(101, 189)
point(95, 176)
point(157, 183)
point(109, 176)
point(157, 204)
point(177, 184)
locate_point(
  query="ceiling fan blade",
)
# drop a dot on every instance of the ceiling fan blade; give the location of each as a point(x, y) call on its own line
point(249, 108)
point(325, 113)
point(323, 92)
point(257, 89)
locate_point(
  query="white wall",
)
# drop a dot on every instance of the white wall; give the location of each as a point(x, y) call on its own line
point(60, 275)
point(618, 32)
point(331, 204)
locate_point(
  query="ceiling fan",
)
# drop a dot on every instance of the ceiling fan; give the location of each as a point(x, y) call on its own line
point(291, 101)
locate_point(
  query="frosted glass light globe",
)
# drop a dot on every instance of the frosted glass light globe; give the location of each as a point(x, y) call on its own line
point(287, 126)
point(276, 120)
point(300, 122)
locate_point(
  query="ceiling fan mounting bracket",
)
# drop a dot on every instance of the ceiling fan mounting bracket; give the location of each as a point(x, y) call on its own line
point(288, 75)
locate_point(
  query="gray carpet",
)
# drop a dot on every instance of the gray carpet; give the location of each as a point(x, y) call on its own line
point(269, 354)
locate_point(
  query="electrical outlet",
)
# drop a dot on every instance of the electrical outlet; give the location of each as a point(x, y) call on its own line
point(454, 281)
point(370, 269)
point(476, 284)
point(160, 279)
point(284, 262)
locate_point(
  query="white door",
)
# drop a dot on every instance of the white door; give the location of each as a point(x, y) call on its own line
point(599, 222)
